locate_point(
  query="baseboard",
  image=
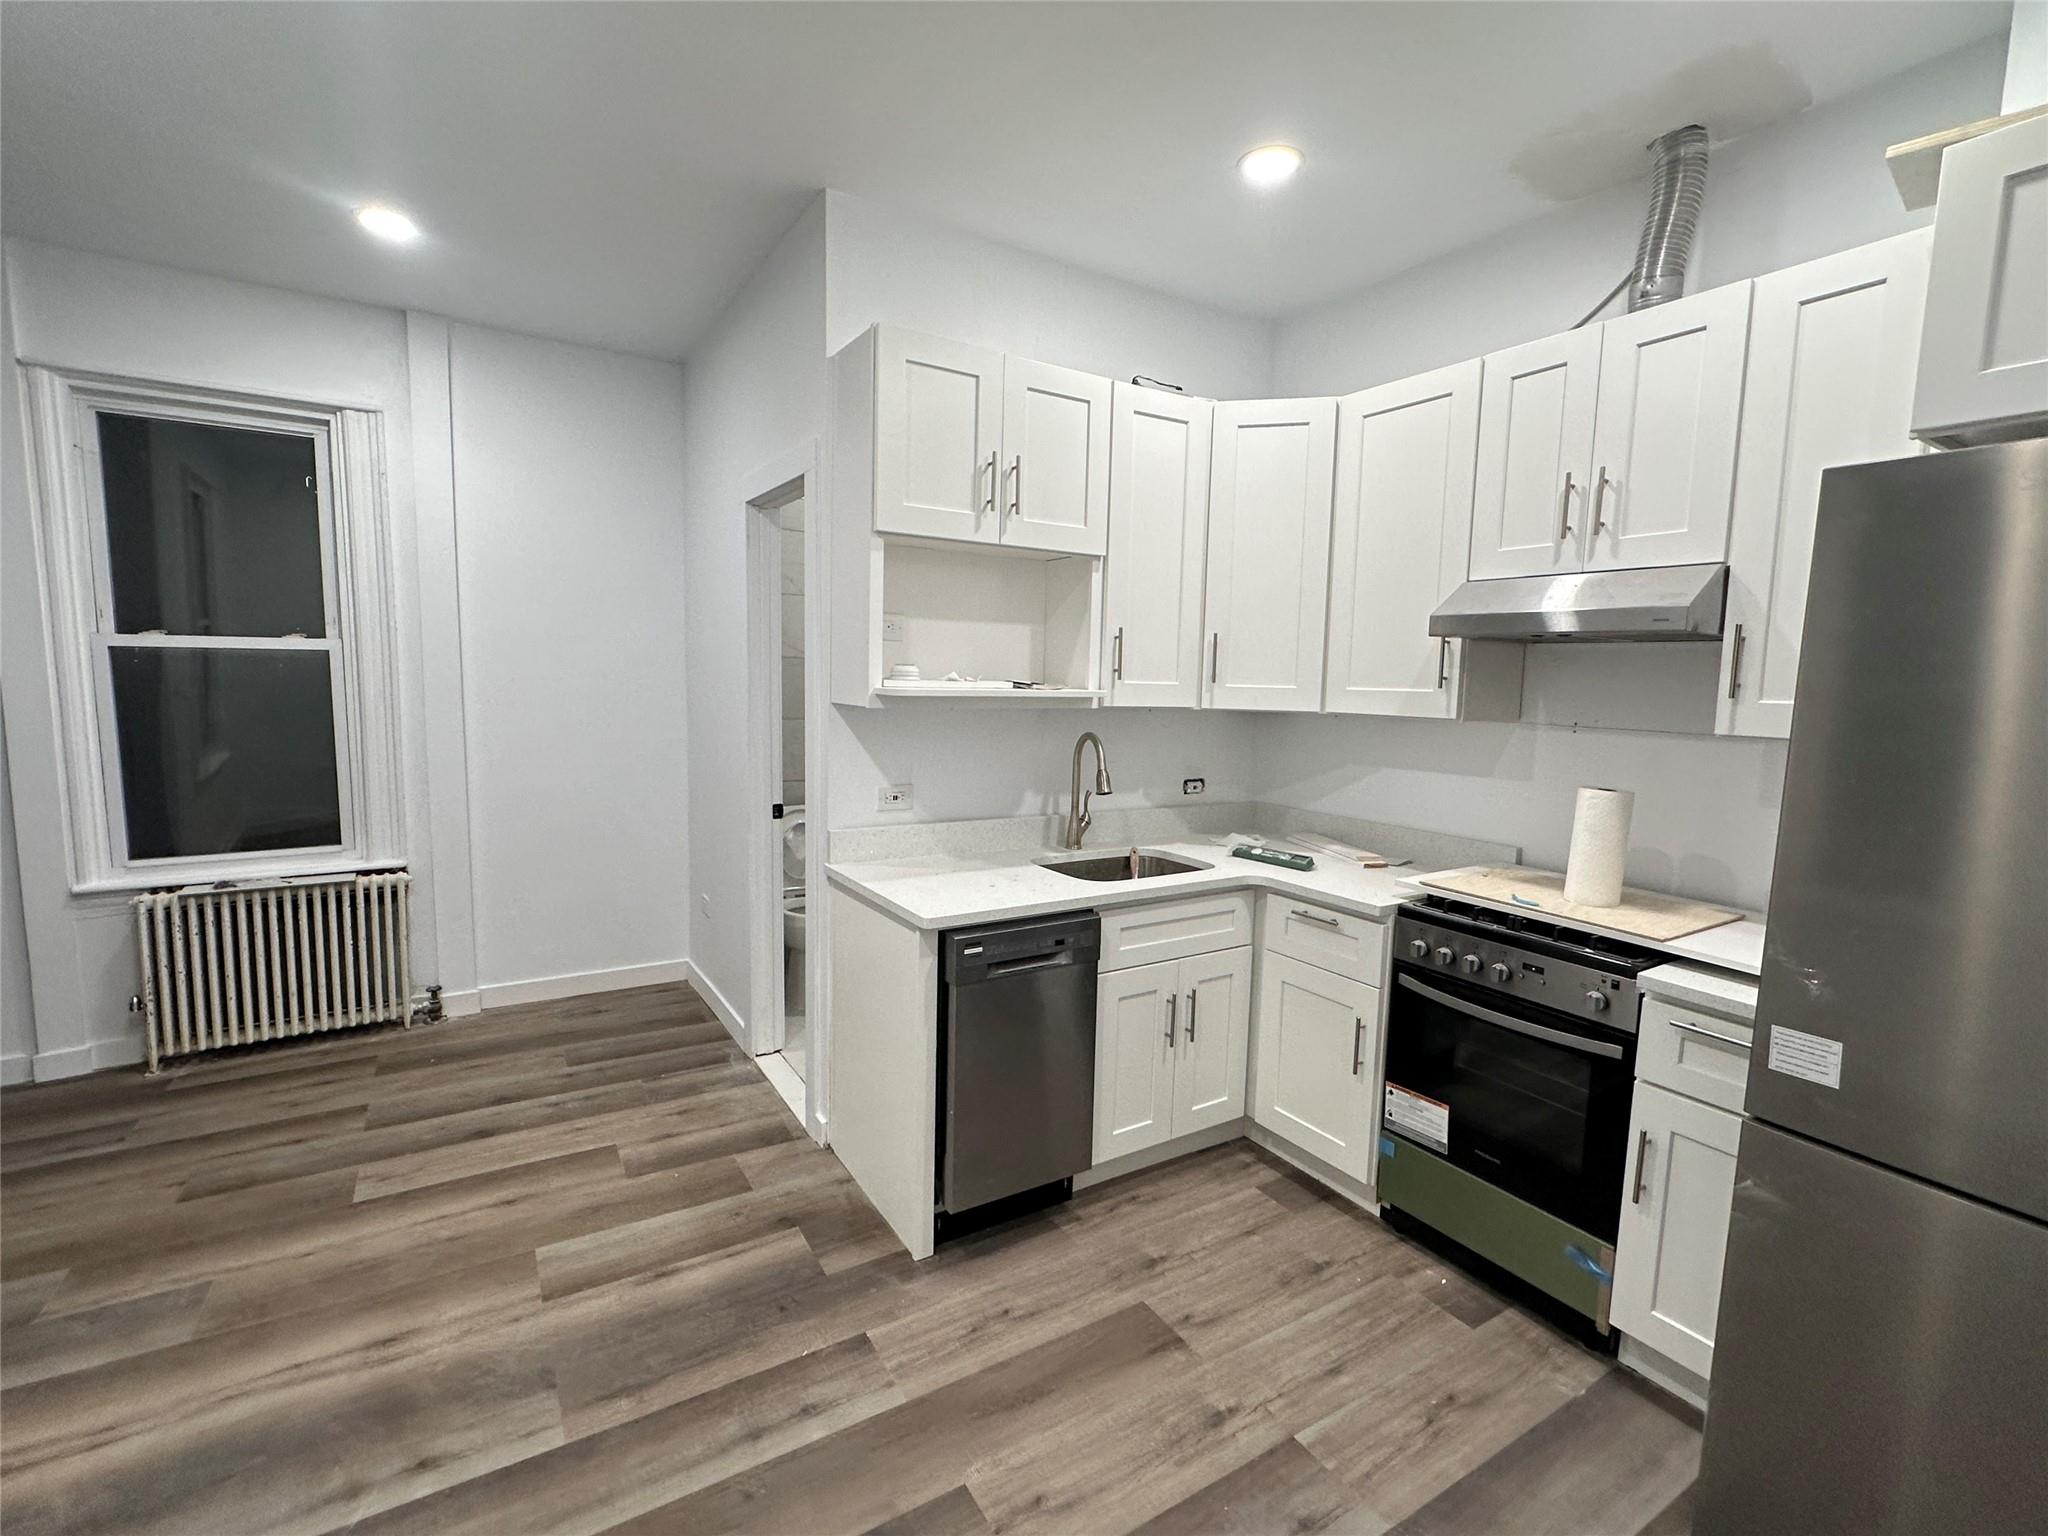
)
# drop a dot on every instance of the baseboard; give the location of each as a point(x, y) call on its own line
point(727, 1014)
point(125, 1052)
point(1361, 1195)
point(72, 1061)
point(546, 989)
point(460, 1005)
point(15, 1068)
point(1165, 1152)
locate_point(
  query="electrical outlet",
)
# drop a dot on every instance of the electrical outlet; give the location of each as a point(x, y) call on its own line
point(1193, 786)
point(893, 797)
point(892, 626)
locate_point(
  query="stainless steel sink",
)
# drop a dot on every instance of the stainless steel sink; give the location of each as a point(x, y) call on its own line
point(1137, 864)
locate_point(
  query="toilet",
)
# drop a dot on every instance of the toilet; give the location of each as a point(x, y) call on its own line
point(795, 865)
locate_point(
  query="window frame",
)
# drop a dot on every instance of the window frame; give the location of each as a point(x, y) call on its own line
point(68, 490)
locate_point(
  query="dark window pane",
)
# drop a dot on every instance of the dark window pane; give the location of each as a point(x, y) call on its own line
point(211, 530)
point(225, 751)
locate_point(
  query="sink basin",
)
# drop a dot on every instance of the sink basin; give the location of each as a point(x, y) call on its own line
point(1136, 864)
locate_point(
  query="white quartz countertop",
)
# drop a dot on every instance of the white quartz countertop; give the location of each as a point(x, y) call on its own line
point(941, 892)
point(935, 892)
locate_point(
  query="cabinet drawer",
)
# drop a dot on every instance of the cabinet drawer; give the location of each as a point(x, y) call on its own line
point(1168, 930)
point(1693, 1053)
point(1337, 941)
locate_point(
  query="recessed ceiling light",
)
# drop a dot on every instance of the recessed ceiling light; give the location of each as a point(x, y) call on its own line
point(387, 224)
point(1270, 164)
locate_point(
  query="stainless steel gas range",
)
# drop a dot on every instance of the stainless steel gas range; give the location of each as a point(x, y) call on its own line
point(1511, 1053)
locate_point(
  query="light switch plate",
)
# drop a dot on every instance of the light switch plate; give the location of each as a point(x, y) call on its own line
point(893, 797)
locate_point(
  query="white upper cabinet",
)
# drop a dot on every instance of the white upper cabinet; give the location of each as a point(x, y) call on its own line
point(938, 421)
point(1158, 528)
point(1399, 541)
point(1983, 371)
point(1664, 431)
point(1535, 456)
point(1269, 552)
point(1832, 351)
point(1056, 436)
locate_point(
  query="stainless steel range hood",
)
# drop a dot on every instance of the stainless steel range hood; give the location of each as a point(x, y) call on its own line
point(1663, 602)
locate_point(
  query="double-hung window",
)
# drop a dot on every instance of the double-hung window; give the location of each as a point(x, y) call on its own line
point(217, 591)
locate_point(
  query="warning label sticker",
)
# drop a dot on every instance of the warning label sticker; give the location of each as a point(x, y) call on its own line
point(1419, 1117)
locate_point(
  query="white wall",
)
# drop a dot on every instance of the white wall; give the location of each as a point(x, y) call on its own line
point(1802, 188)
point(753, 391)
point(568, 470)
point(17, 1002)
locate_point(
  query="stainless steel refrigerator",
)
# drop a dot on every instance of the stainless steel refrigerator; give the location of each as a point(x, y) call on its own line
point(1881, 1362)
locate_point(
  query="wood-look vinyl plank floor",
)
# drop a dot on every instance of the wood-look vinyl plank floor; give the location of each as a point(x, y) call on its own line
point(572, 1268)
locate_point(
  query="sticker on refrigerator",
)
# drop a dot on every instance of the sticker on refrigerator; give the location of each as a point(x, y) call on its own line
point(1420, 1119)
point(1815, 1058)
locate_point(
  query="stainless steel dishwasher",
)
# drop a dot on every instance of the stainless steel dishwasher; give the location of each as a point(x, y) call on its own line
point(1017, 1057)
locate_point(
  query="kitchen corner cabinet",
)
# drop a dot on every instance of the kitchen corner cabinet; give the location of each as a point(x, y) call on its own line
point(973, 446)
point(1674, 1225)
point(1612, 446)
point(1833, 348)
point(1318, 1059)
point(1171, 1041)
point(1271, 466)
point(1400, 538)
point(1158, 533)
point(1983, 369)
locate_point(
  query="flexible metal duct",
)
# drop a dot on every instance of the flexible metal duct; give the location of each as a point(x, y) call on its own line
point(1678, 185)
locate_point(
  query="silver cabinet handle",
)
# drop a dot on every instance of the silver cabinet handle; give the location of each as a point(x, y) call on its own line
point(1357, 1044)
point(1443, 662)
point(1599, 496)
point(1635, 1194)
point(1311, 917)
point(1172, 1009)
point(1191, 1016)
point(1017, 485)
point(1564, 504)
point(1116, 663)
point(1711, 1034)
point(1215, 650)
point(988, 502)
point(1735, 663)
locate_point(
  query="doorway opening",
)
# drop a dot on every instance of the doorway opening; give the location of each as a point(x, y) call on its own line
point(793, 836)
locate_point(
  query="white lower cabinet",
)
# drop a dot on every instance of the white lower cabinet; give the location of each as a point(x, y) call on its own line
point(1674, 1224)
point(1318, 1058)
point(1171, 1040)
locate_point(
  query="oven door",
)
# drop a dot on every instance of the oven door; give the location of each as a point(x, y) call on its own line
point(1531, 1101)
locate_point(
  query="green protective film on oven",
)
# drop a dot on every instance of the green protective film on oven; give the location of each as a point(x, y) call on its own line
point(1495, 1225)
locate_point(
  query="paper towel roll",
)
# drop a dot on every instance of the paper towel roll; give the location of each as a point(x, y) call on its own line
point(1592, 874)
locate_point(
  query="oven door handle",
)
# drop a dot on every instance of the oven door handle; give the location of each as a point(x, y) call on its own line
point(1519, 1026)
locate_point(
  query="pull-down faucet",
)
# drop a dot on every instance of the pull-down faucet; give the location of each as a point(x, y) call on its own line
point(1078, 818)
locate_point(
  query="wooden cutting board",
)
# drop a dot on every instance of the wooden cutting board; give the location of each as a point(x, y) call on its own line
point(1642, 913)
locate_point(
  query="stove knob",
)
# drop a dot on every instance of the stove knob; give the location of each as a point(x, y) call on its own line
point(1446, 955)
point(1597, 1001)
point(1419, 948)
point(1472, 964)
point(1500, 973)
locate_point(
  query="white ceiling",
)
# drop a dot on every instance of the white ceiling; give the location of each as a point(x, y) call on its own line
point(611, 173)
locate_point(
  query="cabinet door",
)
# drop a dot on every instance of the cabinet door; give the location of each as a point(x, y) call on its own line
point(1318, 1058)
point(1832, 350)
point(1215, 1032)
point(1137, 1015)
point(938, 426)
point(1535, 456)
point(1269, 552)
point(1055, 458)
point(1664, 431)
point(1400, 537)
point(1674, 1224)
point(1158, 531)
point(1984, 351)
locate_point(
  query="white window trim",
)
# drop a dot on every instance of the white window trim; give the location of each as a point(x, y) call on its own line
point(70, 536)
